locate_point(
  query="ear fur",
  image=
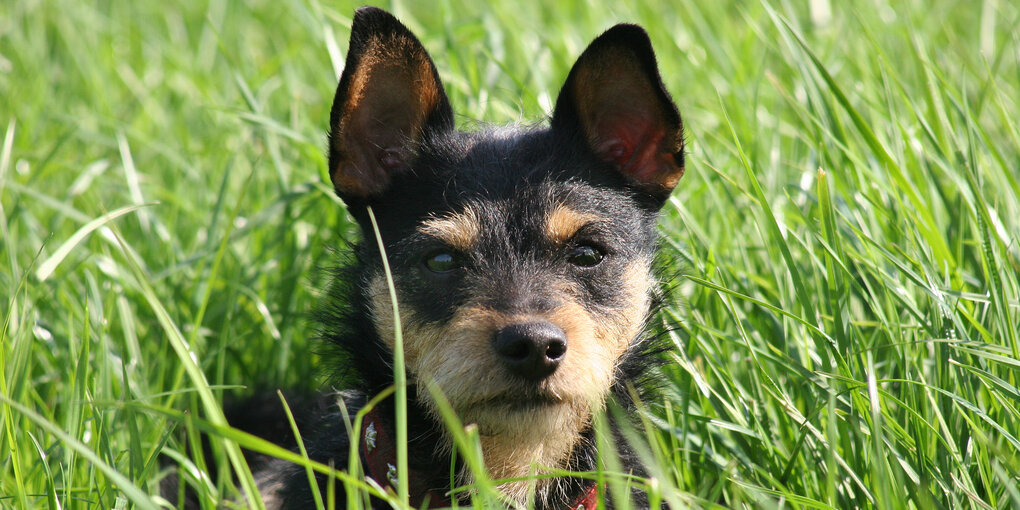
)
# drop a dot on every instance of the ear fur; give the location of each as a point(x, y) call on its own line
point(614, 98)
point(389, 99)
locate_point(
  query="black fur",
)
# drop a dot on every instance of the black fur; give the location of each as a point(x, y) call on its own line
point(606, 155)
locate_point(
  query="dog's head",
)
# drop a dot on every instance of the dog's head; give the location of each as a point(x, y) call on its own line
point(521, 257)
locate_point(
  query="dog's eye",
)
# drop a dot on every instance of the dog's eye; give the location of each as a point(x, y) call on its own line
point(584, 255)
point(441, 261)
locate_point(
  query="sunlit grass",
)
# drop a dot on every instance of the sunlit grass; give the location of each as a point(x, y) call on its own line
point(845, 244)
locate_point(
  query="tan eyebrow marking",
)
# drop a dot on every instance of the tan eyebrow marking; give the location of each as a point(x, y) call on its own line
point(459, 230)
point(563, 222)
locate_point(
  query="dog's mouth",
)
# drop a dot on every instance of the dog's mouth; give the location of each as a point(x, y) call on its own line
point(518, 401)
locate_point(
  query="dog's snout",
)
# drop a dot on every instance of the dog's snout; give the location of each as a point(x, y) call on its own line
point(531, 350)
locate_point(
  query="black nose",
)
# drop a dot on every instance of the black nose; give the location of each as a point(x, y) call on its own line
point(532, 350)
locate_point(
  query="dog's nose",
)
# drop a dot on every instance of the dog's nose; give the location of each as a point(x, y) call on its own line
point(531, 350)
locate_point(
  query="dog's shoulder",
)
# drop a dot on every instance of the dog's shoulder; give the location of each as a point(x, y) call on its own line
point(325, 434)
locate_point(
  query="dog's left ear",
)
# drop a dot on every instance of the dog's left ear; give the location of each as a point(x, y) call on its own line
point(614, 99)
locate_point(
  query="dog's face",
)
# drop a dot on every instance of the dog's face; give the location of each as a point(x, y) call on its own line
point(516, 298)
point(521, 258)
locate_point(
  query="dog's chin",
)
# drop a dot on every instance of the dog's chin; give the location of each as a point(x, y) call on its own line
point(513, 420)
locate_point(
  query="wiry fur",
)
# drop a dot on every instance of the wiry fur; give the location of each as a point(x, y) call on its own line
point(519, 235)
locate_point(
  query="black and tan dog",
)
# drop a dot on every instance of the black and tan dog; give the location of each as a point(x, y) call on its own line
point(522, 260)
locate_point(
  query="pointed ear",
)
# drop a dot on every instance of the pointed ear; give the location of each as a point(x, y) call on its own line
point(614, 99)
point(389, 100)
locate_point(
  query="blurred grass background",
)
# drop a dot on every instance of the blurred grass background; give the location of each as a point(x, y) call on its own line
point(847, 236)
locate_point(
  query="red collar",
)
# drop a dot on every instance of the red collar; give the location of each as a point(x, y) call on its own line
point(380, 461)
point(587, 501)
point(379, 456)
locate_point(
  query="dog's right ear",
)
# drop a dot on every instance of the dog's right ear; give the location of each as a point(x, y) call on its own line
point(389, 99)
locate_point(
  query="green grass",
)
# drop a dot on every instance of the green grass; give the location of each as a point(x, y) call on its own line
point(847, 236)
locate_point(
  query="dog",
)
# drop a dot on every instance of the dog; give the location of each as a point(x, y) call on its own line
point(522, 262)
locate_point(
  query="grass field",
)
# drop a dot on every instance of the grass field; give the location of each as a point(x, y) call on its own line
point(845, 244)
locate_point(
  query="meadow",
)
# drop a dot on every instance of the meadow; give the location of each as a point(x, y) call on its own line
point(842, 255)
